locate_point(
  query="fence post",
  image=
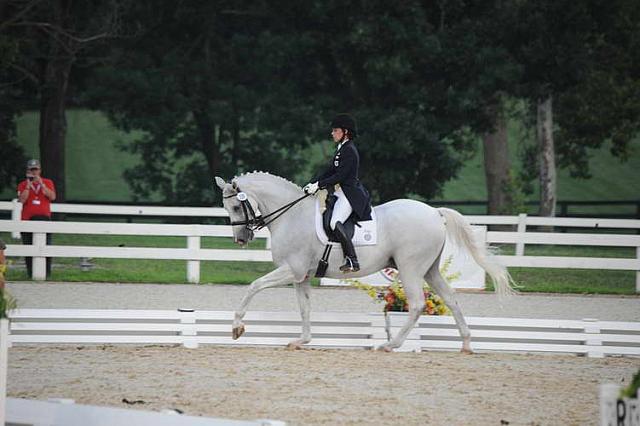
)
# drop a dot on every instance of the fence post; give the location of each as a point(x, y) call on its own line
point(522, 229)
point(593, 340)
point(16, 212)
point(39, 263)
point(4, 358)
point(193, 266)
point(188, 328)
point(638, 272)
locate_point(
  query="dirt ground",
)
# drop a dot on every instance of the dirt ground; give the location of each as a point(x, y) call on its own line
point(321, 387)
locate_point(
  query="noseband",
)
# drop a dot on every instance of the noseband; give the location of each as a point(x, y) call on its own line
point(251, 221)
point(256, 223)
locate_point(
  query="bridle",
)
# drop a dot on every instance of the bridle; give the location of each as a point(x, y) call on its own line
point(251, 221)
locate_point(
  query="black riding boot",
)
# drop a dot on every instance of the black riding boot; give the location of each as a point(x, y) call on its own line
point(350, 258)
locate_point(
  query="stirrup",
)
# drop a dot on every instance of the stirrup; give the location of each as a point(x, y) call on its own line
point(350, 265)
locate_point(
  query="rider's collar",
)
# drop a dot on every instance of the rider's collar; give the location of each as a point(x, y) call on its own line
point(342, 143)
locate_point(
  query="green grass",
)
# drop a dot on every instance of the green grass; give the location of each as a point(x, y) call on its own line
point(612, 179)
point(582, 281)
point(218, 272)
point(95, 167)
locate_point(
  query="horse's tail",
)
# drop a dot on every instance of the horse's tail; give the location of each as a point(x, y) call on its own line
point(461, 231)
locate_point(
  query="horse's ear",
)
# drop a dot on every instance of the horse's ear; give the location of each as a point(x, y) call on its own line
point(220, 182)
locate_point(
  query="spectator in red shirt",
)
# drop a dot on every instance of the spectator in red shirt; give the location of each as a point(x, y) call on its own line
point(36, 194)
point(3, 265)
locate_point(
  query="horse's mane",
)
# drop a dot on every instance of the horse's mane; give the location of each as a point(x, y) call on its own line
point(265, 176)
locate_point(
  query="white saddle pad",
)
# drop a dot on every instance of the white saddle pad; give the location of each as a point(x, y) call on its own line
point(364, 235)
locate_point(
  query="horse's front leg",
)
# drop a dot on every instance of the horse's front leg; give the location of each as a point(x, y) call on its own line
point(275, 278)
point(303, 291)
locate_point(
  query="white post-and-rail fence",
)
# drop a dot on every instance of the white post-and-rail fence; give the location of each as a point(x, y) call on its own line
point(330, 330)
point(193, 253)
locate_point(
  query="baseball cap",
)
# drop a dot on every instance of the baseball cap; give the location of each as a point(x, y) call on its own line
point(33, 164)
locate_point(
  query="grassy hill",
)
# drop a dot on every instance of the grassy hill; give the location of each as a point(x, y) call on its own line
point(612, 179)
point(95, 166)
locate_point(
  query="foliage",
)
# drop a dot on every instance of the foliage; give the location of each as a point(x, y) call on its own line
point(13, 158)
point(515, 188)
point(396, 299)
point(584, 55)
point(223, 87)
point(631, 391)
point(7, 302)
point(212, 98)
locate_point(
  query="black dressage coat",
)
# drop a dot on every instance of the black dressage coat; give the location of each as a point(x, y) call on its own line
point(344, 171)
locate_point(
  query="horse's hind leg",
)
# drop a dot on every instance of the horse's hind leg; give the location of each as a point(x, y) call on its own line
point(442, 288)
point(275, 278)
point(303, 291)
point(412, 284)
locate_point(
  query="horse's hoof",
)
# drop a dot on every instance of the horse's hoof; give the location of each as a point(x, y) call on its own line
point(466, 351)
point(384, 348)
point(298, 344)
point(237, 332)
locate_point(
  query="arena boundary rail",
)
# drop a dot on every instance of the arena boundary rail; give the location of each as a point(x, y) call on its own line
point(191, 328)
point(193, 254)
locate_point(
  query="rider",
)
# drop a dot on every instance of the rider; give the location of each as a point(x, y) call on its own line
point(352, 195)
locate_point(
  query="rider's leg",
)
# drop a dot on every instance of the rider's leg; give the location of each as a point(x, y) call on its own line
point(342, 209)
point(341, 213)
point(350, 258)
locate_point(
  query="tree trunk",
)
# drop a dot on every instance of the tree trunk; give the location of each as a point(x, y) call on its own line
point(209, 142)
point(547, 158)
point(53, 122)
point(497, 167)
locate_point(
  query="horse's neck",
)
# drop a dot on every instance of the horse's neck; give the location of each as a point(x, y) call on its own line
point(271, 198)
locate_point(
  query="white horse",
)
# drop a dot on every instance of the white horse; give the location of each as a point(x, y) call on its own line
point(411, 236)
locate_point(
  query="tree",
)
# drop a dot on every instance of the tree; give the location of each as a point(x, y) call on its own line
point(581, 59)
point(51, 36)
point(205, 82)
point(12, 160)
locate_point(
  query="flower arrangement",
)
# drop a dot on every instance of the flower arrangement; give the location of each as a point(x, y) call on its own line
point(7, 303)
point(396, 300)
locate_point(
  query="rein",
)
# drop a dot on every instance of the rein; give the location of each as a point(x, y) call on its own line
point(256, 223)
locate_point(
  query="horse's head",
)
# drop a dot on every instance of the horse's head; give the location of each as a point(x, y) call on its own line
point(241, 210)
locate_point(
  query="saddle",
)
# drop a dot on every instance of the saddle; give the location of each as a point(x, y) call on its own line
point(349, 227)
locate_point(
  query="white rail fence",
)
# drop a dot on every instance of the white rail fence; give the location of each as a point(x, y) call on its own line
point(330, 330)
point(193, 253)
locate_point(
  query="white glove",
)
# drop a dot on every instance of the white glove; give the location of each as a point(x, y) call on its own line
point(311, 188)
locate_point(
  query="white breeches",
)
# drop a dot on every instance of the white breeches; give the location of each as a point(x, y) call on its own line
point(342, 210)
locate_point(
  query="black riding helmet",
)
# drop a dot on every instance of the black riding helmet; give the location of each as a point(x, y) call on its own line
point(345, 121)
